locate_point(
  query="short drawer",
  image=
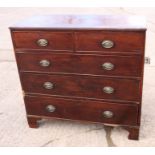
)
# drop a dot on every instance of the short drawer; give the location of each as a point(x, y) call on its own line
point(113, 41)
point(82, 86)
point(43, 40)
point(80, 64)
point(82, 110)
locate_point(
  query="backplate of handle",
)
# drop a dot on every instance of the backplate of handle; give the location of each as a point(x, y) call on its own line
point(107, 43)
point(42, 42)
point(44, 63)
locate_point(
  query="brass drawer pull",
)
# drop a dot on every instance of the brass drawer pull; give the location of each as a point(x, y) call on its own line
point(107, 44)
point(50, 108)
point(108, 90)
point(107, 114)
point(42, 42)
point(108, 66)
point(48, 85)
point(44, 63)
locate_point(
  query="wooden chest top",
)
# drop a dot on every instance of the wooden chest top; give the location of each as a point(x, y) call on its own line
point(91, 22)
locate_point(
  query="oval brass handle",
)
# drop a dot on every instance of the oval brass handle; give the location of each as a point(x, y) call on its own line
point(108, 66)
point(107, 44)
point(108, 90)
point(50, 108)
point(42, 42)
point(107, 114)
point(44, 63)
point(48, 85)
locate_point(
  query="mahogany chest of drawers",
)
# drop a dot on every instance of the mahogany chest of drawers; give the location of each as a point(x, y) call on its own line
point(87, 68)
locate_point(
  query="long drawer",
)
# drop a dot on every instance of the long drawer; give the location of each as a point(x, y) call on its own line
point(82, 110)
point(80, 64)
point(82, 86)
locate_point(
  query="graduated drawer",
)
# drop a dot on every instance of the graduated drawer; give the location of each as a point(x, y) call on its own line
point(82, 110)
point(82, 86)
point(43, 40)
point(114, 41)
point(81, 64)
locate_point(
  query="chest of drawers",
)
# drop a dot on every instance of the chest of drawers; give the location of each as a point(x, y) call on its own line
point(87, 68)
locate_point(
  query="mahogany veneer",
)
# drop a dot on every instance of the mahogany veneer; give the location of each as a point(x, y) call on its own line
point(82, 86)
point(86, 68)
point(80, 63)
point(82, 110)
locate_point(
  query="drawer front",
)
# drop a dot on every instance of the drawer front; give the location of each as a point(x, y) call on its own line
point(82, 86)
point(82, 110)
point(82, 64)
point(43, 40)
point(110, 41)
